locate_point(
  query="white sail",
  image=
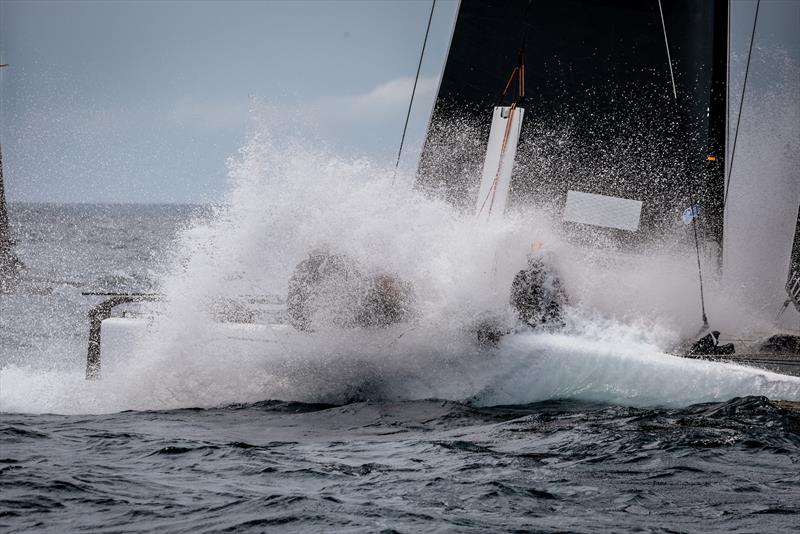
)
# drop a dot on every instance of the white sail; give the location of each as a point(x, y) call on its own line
point(763, 194)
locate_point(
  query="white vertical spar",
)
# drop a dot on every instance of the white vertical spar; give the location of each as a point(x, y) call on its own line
point(499, 162)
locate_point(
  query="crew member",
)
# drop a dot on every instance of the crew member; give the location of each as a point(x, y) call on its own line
point(536, 293)
point(708, 345)
point(332, 289)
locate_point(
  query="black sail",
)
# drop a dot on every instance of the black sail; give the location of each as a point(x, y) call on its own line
point(600, 112)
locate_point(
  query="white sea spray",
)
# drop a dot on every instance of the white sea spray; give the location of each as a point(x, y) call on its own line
point(288, 198)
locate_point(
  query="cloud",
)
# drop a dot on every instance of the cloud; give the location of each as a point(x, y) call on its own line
point(385, 100)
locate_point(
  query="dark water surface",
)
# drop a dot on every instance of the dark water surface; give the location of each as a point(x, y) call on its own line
point(416, 466)
point(406, 467)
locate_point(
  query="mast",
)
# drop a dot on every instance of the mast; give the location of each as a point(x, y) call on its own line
point(716, 161)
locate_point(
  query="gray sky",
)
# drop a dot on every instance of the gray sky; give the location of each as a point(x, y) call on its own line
point(144, 101)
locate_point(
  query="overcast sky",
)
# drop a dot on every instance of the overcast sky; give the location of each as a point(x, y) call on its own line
point(144, 101)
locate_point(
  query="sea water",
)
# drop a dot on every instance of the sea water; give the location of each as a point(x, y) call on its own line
point(594, 428)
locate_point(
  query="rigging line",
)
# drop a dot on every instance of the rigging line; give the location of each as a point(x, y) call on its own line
point(669, 57)
point(519, 70)
point(510, 79)
point(741, 104)
point(694, 208)
point(699, 268)
point(413, 91)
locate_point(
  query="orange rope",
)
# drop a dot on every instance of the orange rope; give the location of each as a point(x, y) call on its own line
point(510, 79)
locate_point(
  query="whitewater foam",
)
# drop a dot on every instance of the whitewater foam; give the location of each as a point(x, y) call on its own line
point(380, 366)
point(286, 200)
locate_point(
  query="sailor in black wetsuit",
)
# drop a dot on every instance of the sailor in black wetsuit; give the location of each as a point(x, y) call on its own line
point(708, 345)
point(536, 293)
point(537, 299)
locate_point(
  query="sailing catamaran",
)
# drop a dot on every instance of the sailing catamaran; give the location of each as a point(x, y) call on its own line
point(646, 99)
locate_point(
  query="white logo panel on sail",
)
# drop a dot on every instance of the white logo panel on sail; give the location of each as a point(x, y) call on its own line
point(499, 162)
point(602, 210)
